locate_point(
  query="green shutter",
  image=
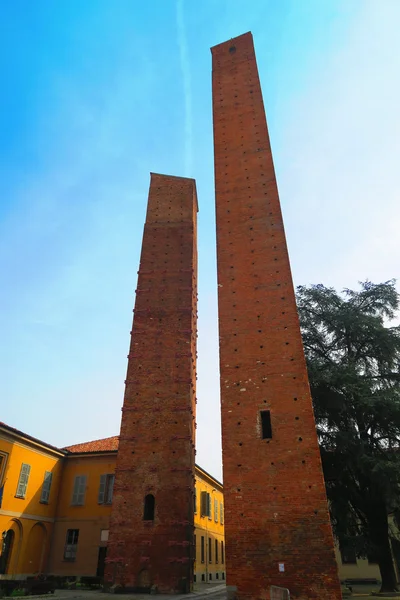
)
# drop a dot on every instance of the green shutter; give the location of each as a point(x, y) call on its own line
point(78, 495)
point(23, 480)
point(102, 489)
point(82, 490)
point(203, 504)
point(110, 488)
point(208, 505)
point(46, 487)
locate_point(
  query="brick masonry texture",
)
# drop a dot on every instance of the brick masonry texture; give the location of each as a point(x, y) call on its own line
point(275, 502)
point(156, 449)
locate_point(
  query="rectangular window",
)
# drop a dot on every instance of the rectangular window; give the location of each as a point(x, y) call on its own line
point(221, 513)
point(216, 551)
point(195, 499)
point(23, 480)
point(205, 501)
point(106, 489)
point(45, 495)
point(266, 428)
point(71, 544)
point(78, 495)
point(202, 548)
point(222, 553)
point(209, 550)
point(195, 547)
point(216, 510)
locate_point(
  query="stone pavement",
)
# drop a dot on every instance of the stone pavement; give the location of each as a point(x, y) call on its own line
point(201, 590)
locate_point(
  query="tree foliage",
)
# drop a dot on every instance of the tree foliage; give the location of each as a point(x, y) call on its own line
point(353, 355)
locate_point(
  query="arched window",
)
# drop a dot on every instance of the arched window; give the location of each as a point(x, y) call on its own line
point(149, 507)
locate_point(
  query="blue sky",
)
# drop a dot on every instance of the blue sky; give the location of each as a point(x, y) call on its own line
point(97, 94)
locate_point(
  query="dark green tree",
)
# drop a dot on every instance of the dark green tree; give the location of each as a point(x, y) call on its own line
point(353, 357)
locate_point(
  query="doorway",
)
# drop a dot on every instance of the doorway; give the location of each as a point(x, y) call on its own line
point(6, 550)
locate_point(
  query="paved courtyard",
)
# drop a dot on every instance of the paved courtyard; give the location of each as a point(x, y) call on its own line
point(201, 590)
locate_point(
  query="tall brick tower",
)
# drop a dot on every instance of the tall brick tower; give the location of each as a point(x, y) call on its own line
point(276, 517)
point(152, 522)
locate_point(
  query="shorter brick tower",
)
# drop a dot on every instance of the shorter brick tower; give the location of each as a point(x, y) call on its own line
point(152, 521)
point(277, 525)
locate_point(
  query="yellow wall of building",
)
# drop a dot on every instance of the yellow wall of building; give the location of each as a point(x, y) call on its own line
point(209, 529)
point(30, 519)
point(361, 569)
point(90, 518)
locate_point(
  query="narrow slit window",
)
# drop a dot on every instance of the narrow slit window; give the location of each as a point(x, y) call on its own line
point(149, 508)
point(266, 429)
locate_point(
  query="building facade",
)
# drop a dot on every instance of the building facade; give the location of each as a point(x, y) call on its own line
point(59, 524)
point(30, 477)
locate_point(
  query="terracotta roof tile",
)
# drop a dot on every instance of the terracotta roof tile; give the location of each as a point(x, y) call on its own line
point(109, 444)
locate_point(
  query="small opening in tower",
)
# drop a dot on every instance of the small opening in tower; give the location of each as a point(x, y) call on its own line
point(232, 49)
point(149, 508)
point(266, 428)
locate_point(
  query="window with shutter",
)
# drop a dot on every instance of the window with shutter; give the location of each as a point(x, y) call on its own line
point(215, 510)
point(71, 544)
point(209, 505)
point(102, 489)
point(78, 495)
point(195, 500)
point(109, 489)
point(209, 550)
point(106, 489)
point(216, 551)
point(202, 548)
point(221, 513)
point(23, 480)
point(203, 504)
point(45, 495)
point(222, 553)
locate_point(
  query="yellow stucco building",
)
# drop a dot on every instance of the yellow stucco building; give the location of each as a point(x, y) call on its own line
point(30, 476)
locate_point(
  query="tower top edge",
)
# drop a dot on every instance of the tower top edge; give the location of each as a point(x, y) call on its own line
point(177, 178)
point(244, 37)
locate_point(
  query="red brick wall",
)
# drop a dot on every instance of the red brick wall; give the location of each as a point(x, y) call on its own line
point(156, 449)
point(275, 502)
